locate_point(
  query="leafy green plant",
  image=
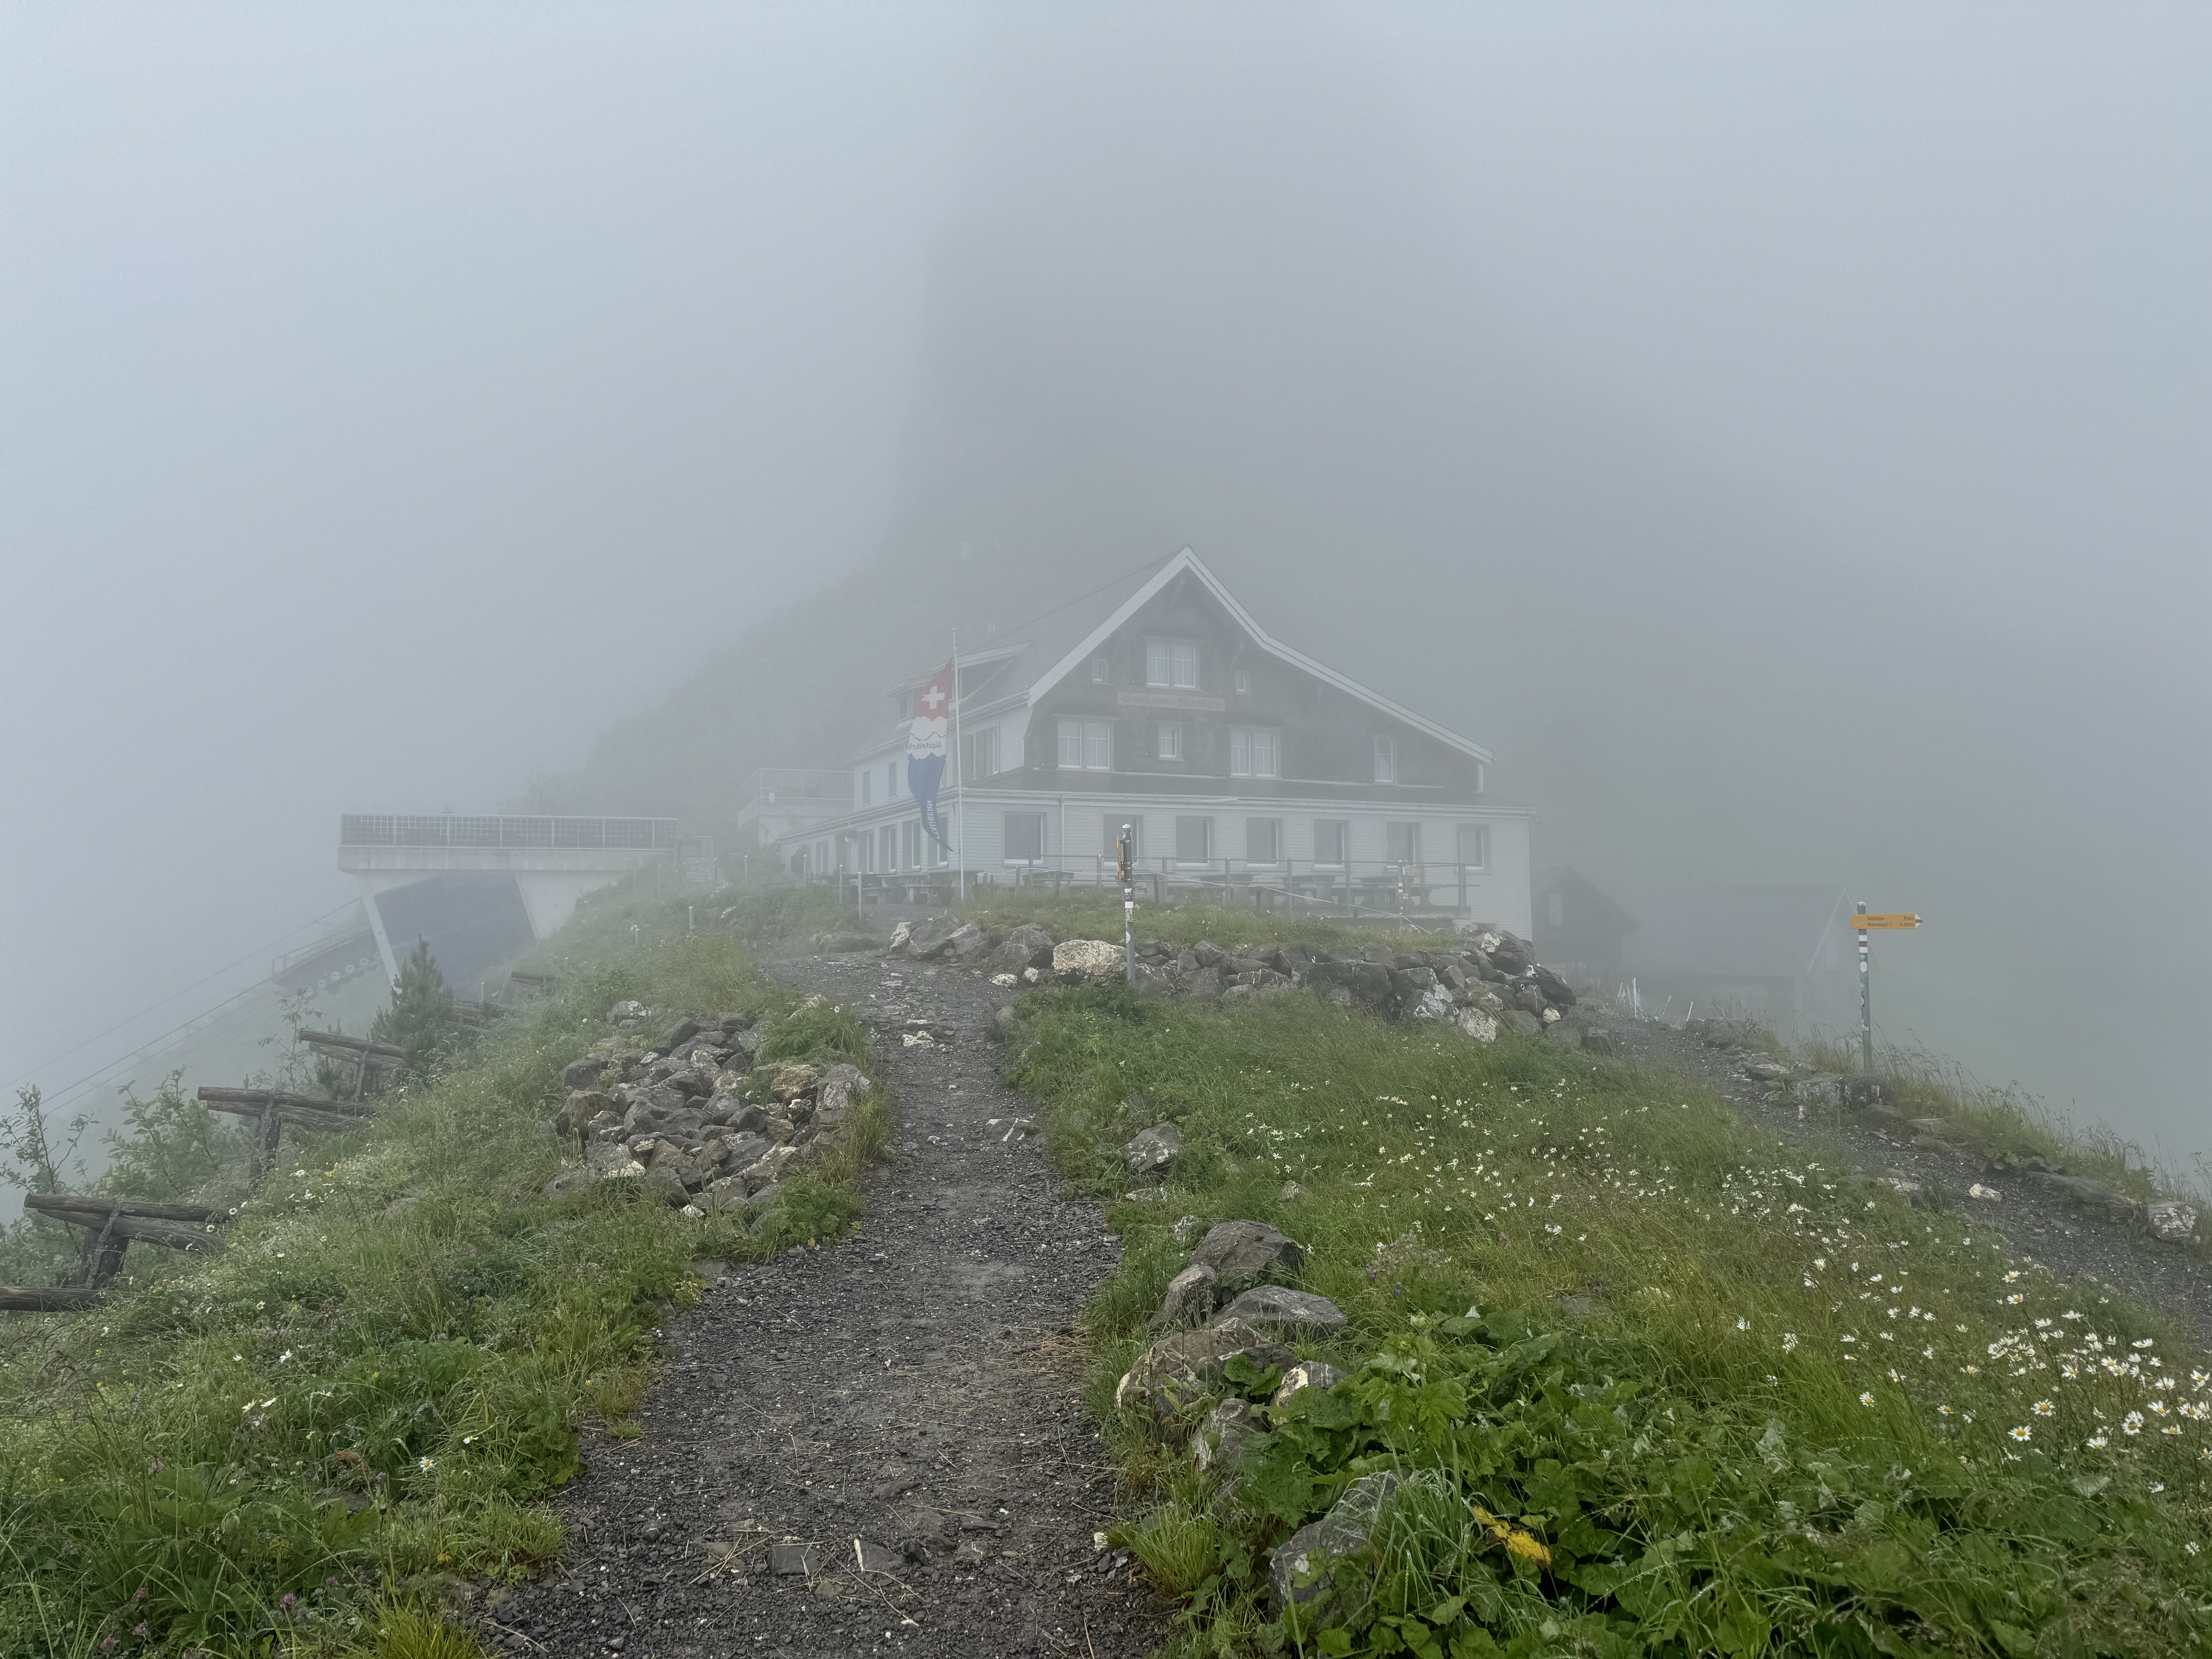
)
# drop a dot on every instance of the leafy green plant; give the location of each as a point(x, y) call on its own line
point(169, 1149)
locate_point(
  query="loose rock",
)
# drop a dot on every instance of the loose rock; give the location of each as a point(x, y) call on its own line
point(1272, 1306)
point(1312, 1373)
point(1091, 958)
point(2171, 1221)
point(1153, 1150)
point(1179, 1370)
point(1189, 1298)
point(1345, 1530)
point(1243, 1254)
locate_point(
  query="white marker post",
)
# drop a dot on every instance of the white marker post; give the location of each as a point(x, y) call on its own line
point(1864, 922)
point(1128, 849)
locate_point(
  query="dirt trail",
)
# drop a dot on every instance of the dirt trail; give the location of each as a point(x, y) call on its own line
point(908, 1395)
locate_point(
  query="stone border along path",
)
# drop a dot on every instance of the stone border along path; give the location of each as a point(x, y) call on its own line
point(878, 1446)
point(2038, 1228)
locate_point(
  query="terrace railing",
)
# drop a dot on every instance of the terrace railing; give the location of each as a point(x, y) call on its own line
point(456, 830)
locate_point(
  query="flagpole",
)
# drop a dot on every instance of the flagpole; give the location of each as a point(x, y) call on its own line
point(960, 772)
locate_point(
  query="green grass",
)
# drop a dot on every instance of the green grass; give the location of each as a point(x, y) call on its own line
point(2005, 1124)
point(315, 1443)
point(1747, 1400)
point(1092, 915)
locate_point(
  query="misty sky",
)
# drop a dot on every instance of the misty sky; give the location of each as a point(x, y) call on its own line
point(392, 399)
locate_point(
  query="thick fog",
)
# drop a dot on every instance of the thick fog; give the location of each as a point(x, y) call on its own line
point(1781, 438)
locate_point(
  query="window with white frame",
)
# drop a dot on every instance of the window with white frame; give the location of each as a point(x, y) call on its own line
point(1254, 751)
point(1086, 745)
point(1404, 843)
point(1025, 837)
point(868, 788)
point(888, 838)
point(978, 754)
point(1474, 845)
point(1332, 841)
point(1098, 670)
point(1194, 841)
point(1263, 840)
point(1243, 682)
point(1386, 760)
point(1167, 741)
point(913, 843)
point(1172, 663)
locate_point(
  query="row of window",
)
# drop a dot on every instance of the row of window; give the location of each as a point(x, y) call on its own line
point(1265, 842)
point(1172, 666)
point(1254, 751)
point(894, 847)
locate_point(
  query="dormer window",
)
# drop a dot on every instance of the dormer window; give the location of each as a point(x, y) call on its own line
point(1172, 663)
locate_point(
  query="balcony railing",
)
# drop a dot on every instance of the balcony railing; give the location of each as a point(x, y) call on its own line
point(453, 830)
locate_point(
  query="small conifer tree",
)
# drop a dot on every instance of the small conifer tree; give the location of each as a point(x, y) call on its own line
point(422, 1021)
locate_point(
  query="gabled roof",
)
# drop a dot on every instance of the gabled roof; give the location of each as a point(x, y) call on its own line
point(1188, 562)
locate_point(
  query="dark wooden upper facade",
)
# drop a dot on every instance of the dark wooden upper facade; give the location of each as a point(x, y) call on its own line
point(1303, 736)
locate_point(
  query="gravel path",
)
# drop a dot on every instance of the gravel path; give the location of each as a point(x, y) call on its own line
point(2037, 1227)
point(904, 1401)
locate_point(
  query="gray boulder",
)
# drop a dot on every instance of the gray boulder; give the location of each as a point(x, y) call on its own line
point(589, 1073)
point(966, 941)
point(1225, 1435)
point(1243, 1254)
point(1150, 1150)
point(1299, 1569)
point(1087, 958)
point(2081, 1193)
point(927, 940)
point(768, 1170)
point(2171, 1221)
point(1272, 1307)
point(1312, 1373)
point(1179, 1370)
point(1520, 1021)
point(1189, 1298)
point(1823, 1090)
point(841, 1086)
point(1027, 946)
point(666, 1182)
point(1478, 1025)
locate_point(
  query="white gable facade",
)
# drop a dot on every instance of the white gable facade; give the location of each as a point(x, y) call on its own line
point(1242, 766)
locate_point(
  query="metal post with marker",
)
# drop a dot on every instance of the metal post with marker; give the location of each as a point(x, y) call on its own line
point(1899, 919)
point(1127, 848)
point(1866, 998)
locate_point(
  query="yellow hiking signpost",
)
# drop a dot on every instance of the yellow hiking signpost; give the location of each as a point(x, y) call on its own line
point(1864, 922)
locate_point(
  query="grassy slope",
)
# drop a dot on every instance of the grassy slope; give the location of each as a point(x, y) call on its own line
point(309, 1444)
point(1794, 1413)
